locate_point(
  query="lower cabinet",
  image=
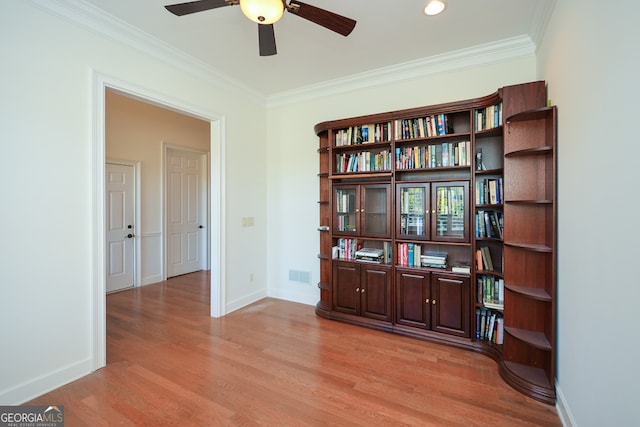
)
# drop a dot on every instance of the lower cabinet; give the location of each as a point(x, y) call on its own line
point(362, 289)
point(433, 301)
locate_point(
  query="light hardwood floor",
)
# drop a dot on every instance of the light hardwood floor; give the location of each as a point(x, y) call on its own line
point(277, 363)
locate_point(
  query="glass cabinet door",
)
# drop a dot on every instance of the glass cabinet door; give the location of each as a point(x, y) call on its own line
point(375, 210)
point(413, 211)
point(450, 210)
point(346, 207)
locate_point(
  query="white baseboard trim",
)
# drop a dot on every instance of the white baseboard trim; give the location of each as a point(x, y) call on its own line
point(564, 412)
point(149, 280)
point(287, 295)
point(245, 301)
point(38, 386)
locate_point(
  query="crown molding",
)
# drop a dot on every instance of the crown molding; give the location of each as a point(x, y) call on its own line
point(490, 53)
point(88, 16)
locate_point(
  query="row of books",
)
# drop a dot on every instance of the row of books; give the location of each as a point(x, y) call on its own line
point(489, 117)
point(353, 249)
point(490, 292)
point(363, 162)
point(424, 127)
point(434, 156)
point(345, 222)
point(364, 134)
point(489, 191)
point(489, 326)
point(489, 224)
point(483, 259)
point(412, 225)
point(345, 201)
point(411, 255)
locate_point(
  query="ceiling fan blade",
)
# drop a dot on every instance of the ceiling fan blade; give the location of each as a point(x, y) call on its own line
point(266, 39)
point(181, 9)
point(338, 23)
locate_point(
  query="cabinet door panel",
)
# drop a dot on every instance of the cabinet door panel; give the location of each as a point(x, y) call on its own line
point(450, 313)
point(374, 211)
point(450, 211)
point(412, 211)
point(346, 292)
point(376, 292)
point(413, 299)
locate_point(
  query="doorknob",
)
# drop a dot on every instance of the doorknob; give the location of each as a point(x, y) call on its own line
point(129, 226)
point(201, 226)
point(130, 236)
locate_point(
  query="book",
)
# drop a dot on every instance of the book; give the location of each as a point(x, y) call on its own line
point(486, 258)
point(461, 268)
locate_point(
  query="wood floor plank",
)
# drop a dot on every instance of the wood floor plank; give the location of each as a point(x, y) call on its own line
point(277, 363)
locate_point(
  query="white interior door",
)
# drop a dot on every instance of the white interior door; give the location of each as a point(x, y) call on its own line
point(186, 219)
point(120, 228)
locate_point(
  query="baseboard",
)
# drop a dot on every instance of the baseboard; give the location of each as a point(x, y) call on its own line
point(301, 297)
point(149, 280)
point(38, 386)
point(245, 301)
point(564, 412)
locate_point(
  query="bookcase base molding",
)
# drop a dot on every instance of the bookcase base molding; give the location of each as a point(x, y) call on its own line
point(439, 223)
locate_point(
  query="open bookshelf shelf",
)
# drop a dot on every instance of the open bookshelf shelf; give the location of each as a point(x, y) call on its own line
point(533, 114)
point(530, 152)
point(530, 246)
point(407, 192)
point(535, 376)
point(535, 339)
point(535, 293)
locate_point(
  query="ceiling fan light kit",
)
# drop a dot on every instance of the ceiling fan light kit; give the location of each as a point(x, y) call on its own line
point(266, 12)
point(434, 7)
point(262, 11)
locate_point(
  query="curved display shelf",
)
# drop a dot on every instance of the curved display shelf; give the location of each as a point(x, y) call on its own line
point(534, 339)
point(530, 246)
point(533, 151)
point(535, 114)
point(534, 293)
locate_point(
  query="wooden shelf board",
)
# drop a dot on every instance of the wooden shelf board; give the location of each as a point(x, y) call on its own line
point(485, 206)
point(535, 376)
point(530, 246)
point(370, 145)
point(547, 149)
point(496, 131)
point(535, 114)
point(534, 339)
point(439, 168)
point(489, 273)
point(498, 171)
point(361, 175)
point(529, 202)
point(535, 293)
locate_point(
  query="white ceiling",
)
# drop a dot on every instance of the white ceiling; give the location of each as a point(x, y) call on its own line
point(387, 33)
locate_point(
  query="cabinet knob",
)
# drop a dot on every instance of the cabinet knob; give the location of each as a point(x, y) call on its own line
point(427, 300)
point(357, 290)
point(362, 291)
point(433, 302)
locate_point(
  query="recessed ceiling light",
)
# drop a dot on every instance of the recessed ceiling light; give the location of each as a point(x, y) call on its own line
point(434, 7)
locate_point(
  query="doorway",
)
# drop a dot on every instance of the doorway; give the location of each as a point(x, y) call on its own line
point(215, 215)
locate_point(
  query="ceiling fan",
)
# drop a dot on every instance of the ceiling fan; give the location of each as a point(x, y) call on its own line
point(266, 12)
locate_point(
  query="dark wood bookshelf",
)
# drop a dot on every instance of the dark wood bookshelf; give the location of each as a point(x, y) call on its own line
point(434, 304)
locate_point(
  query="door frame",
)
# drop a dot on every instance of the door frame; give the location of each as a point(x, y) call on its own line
point(100, 83)
point(137, 244)
point(165, 199)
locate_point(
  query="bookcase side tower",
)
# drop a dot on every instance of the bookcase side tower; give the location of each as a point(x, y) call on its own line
point(438, 223)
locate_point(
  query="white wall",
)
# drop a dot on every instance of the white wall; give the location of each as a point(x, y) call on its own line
point(46, 198)
point(589, 57)
point(293, 212)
